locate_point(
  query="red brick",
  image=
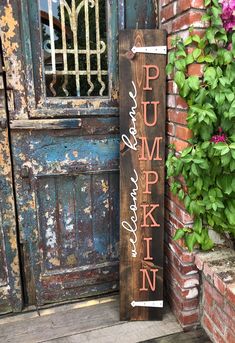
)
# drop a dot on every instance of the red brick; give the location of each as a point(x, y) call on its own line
point(199, 32)
point(208, 287)
point(167, 26)
point(187, 19)
point(230, 336)
point(165, 2)
point(186, 318)
point(177, 116)
point(230, 293)
point(170, 128)
point(218, 298)
point(182, 254)
point(208, 271)
point(183, 132)
point(170, 229)
point(169, 42)
point(218, 338)
point(184, 5)
point(181, 103)
point(195, 69)
point(219, 284)
point(174, 198)
point(189, 317)
point(230, 311)
point(180, 214)
point(183, 268)
point(185, 304)
point(174, 293)
point(197, 3)
point(208, 299)
point(174, 221)
point(208, 325)
point(168, 12)
point(171, 101)
point(208, 311)
point(178, 143)
point(184, 293)
point(172, 88)
point(198, 261)
point(189, 281)
point(219, 319)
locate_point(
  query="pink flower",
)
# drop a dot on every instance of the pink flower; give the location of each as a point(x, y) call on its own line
point(228, 14)
point(221, 137)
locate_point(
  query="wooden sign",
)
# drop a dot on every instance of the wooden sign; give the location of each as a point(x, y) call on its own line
point(142, 163)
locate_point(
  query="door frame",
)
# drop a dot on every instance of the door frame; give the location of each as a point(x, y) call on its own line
point(11, 298)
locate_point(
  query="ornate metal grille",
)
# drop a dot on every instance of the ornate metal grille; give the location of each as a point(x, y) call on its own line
point(74, 45)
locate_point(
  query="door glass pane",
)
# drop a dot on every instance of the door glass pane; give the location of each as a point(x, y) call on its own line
point(74, 43)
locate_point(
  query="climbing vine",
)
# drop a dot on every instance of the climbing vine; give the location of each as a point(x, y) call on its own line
point(208, 163)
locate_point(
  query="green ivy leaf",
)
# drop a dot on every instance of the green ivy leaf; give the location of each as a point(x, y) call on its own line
point(194, 82)
point(179, 234)
point(180, 64)
point(207, 2)
point(196, 38)
point(196, 53)
point(188, 40)
point(197, 226)
point(169, 69)
point(179, 79)
point(208, 169)
point(189, 59)
point(191, 241)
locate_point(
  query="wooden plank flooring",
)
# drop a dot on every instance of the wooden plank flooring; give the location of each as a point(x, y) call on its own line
point(89, 321)
point(196, 336)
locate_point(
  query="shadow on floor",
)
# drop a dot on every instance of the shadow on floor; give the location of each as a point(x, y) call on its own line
point(197, 336)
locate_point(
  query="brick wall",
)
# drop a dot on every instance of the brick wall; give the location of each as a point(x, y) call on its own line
point(200, 288)
point(217, 303)
point(181, 274)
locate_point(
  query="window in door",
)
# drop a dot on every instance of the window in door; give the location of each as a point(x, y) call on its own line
point(74, 44)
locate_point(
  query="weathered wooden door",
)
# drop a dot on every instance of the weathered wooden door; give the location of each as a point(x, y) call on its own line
point(62, 67)
point(10, 282)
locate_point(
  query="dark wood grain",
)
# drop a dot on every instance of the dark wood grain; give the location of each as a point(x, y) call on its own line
point(131, 279)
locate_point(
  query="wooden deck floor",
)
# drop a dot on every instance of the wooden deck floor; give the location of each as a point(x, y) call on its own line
point(92, 321)
point(89, 321)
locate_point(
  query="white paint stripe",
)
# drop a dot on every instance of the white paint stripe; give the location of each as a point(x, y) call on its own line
point(158, 303)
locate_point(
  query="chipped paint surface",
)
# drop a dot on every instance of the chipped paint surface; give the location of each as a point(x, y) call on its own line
point(10, 288)
point(10, 34)
point(8, 21)
point(67, 198)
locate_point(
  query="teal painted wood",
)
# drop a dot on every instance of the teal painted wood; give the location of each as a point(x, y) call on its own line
point(67, 198)
point(140, 14)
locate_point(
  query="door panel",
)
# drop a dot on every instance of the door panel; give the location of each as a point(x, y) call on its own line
point(67, 196)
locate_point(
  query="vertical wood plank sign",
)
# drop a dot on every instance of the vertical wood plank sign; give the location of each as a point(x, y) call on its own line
point(142, 163)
